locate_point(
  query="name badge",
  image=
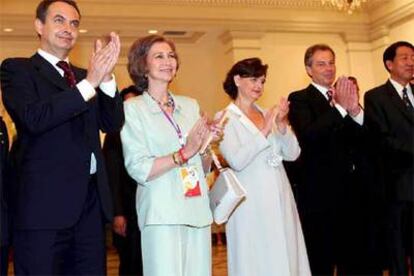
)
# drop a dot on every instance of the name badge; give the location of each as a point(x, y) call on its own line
point(190, 181)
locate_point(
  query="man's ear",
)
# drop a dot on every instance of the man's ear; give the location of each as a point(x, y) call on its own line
point(38, 26)
point(389, 64)
point(308, 71)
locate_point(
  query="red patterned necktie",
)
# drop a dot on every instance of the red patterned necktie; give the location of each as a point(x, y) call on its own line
point(68, 73)
point(329, 94)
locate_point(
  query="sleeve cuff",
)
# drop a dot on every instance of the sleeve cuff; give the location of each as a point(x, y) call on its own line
point(86, 89)
point(109, 87)
point(359, 118)
point(283, 136)
point(341, 110)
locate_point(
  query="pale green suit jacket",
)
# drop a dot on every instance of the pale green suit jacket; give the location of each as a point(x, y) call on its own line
point(146, 135)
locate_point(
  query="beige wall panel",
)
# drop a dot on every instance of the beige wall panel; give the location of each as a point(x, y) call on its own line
point(13, 48)
point(284, 53)
point(202, 67)
point(361, 65)
point(405, 31)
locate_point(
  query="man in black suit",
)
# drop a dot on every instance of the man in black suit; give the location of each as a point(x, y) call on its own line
point(126, 234)
point(62, 197)
point(4, 199)
point(322, 117)
point(389, 116)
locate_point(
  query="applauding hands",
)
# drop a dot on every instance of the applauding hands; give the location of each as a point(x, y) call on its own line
point(103, 60)
point(277, 114)
point(346, 95)
point(202, 133)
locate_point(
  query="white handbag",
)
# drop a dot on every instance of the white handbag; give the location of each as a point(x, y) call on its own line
point(226, 193)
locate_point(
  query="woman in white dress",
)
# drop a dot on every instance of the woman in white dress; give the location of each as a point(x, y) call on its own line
point(264, 235)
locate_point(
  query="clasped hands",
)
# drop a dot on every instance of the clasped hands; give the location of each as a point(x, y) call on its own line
point(345, 94)
point(103, 60)
point(278, 114)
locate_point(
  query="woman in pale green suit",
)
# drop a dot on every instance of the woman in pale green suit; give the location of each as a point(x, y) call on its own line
point(161, 139)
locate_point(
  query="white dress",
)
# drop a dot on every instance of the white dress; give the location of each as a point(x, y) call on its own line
point(264, 234)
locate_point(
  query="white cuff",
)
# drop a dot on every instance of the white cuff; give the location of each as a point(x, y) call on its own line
point(341, 110)
point(359, 118)
point(109, 87)
point(86, 89)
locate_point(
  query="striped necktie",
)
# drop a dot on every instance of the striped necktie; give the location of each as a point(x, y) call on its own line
point(406, 100)
point(68, 73)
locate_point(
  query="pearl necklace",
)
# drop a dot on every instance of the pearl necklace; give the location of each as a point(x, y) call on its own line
point(168, 103)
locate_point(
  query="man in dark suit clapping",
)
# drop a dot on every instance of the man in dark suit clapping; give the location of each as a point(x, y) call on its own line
point(62, 197)
point(389, 116)
point(327, 121)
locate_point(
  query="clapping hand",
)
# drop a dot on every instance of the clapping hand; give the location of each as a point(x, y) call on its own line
point(269, 120)
point(196, 137)
point(353, 105)
point(216, 127)
point(282, 115)
point(346, 95)
point(103, 60)
point(277, 114)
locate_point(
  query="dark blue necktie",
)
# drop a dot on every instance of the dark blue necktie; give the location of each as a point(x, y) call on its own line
point(406, 100)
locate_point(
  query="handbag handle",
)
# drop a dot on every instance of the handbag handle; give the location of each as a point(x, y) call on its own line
point(216, 161)
point(210, 137)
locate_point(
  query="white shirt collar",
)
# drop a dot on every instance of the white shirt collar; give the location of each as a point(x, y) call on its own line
point(321, 89)
point(51, 59)
point(399, 87)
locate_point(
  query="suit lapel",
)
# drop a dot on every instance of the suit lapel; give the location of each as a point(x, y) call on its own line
point(244, 120)
point(317, 99)
point(51, 74)
point(48, 71)
point(396, 100)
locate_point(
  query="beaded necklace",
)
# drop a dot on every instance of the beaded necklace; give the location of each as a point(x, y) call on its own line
point(170, 118)
point(168, 103)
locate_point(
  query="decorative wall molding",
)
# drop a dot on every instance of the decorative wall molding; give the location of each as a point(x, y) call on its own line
point(380, 27)
point(296, 4)
point(199, 17)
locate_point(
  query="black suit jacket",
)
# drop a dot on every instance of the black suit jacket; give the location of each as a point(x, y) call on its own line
point(392, 128)
point(325, 165)
point(4, 185)
point(56, 133)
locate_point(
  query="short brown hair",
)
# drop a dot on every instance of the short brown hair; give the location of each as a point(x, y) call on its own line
point(43, 6)
point(137, 59)
point(314, 48)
